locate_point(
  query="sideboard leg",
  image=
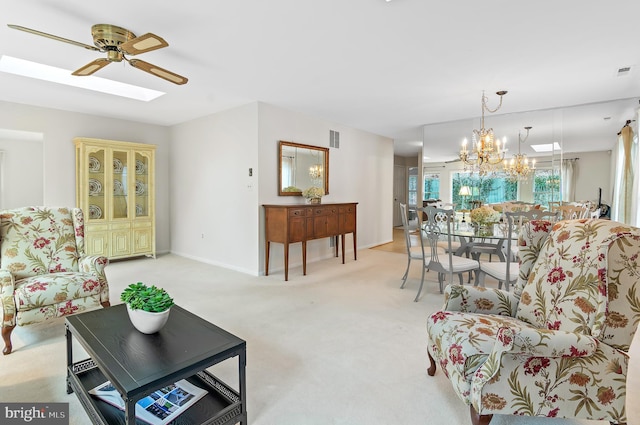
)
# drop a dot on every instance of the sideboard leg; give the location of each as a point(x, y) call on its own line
point(286, 261)
point(266, 259)
point(304, 258)
point(355, 251)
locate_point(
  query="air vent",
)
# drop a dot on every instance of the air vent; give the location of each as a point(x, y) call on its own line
point(334, 139)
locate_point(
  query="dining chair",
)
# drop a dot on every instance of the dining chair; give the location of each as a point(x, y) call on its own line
point(439, 223)
point(572, 212)
point(506, 272)
point(414, 251)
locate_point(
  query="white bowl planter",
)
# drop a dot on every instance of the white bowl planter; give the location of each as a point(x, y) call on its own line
point(146, 321)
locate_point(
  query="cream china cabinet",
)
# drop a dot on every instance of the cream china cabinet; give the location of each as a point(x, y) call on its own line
point(116, 190)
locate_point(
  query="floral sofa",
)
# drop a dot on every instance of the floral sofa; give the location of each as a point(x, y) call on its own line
point(44, 272)
point(557, 346)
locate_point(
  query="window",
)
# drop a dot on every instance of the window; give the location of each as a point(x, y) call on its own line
point(494, 188)
point(413, 186)
point(431, 186)
point(546, 186)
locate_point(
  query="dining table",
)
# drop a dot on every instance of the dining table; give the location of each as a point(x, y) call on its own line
point(475, 242)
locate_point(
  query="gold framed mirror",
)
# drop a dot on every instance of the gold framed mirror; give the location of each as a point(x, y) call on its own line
point(300, 167)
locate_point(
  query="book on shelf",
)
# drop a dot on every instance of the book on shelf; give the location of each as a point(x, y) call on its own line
point(158, 408)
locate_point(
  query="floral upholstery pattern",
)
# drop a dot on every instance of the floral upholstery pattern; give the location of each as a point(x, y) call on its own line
point(44, 272)
point(557, 346)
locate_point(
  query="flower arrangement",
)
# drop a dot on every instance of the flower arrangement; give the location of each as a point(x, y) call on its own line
point(148, 298)
point(484, 215)
point(313, 192)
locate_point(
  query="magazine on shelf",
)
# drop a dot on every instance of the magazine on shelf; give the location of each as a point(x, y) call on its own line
point(158, 408)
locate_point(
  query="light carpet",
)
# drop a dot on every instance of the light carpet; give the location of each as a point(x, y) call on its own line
point(342, 345)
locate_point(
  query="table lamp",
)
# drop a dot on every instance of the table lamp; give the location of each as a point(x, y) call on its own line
point(464, 192)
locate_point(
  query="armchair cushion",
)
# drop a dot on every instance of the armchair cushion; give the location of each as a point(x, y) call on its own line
point(38, 241)
point(35, 292)
point(567, 287)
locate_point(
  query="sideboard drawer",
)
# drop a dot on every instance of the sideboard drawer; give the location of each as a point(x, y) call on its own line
point(298, 212)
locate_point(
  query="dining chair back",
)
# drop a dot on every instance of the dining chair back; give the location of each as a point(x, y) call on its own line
point(415, 251)
point(572, 212)
point(506, 272)
point(438, 227)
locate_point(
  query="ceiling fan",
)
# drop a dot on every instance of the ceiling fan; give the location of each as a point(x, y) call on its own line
point(117, 42)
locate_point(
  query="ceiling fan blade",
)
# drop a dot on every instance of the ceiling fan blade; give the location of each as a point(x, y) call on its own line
point(54, 37)
point(158, 72)
point(91, 67)
point(145, 43)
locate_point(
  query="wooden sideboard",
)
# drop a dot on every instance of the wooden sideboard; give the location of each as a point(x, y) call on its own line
point(287, 224)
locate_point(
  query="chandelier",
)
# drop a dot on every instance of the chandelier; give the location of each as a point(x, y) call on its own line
point(315, 172)
point(518, 168)
point(485, 153)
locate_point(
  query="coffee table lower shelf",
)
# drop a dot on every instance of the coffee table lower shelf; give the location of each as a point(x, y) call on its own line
point(220, 406)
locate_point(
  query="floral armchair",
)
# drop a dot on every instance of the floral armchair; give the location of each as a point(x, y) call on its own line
point(557, 346)
point(44, 272)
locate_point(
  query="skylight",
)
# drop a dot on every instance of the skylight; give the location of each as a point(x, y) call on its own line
point(53, 74)
point(548, 147)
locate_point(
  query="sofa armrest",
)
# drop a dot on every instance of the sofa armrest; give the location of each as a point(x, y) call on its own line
point(473, 299)
point(7, 300)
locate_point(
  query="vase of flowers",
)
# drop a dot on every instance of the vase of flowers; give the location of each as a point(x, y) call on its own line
point(483, 219)
point(148, 306)
point(313, 194)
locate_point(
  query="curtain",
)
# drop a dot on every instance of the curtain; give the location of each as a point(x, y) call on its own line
point(569, 172)
point(623, 202)
point(2, 191)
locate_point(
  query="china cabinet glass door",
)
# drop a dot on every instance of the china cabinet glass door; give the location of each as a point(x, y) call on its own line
point(120, 173)
point(96, 185)
point(142, 185)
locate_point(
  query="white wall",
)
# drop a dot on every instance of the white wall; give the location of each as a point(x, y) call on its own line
point(212, 193)
point(202, 176)
point(593, 172)
point(60, 127)
point(361, 170)
point(22, 178)
point(214, 202)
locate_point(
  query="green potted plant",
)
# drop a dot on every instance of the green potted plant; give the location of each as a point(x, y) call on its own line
point(148, 306)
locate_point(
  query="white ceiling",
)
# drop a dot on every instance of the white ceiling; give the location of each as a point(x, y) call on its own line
point(384, 67)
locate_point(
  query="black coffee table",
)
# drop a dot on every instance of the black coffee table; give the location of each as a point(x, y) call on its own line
point(138, 364)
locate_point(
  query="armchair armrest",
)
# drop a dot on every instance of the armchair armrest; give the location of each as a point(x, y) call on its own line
point(95, 264)
point(532, 347)
point(544, 342)
point(473, 299)
point(7, 301)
